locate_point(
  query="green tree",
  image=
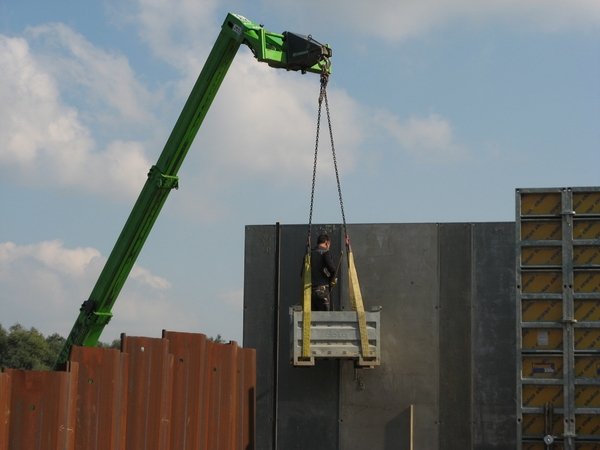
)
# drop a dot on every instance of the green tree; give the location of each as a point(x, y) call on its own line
point(217, 340)
point(3, 339)
point(26, 349)
point(114, 344)
point(55, 344)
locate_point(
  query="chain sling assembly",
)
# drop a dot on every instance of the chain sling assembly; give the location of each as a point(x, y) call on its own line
point(356, 302)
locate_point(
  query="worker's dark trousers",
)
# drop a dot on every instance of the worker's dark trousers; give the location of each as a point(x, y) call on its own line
point(320, 299)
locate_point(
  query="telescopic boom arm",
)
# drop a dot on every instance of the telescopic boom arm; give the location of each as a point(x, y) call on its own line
point(284, 51)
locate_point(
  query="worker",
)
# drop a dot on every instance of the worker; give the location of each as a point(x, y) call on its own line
point(323, 274)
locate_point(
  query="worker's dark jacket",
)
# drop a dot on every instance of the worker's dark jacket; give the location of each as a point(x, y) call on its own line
point(322, 266)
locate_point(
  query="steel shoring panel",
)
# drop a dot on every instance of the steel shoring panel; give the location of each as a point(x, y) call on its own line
point(148, 392)
point(5, 396)
point(190, 390)
point(42, 409)
point(558, 327)
point(125, 400)
point(222, 396)
point(101, 398)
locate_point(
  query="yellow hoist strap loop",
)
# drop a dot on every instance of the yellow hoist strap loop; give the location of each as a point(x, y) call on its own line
point(356, 304)
point(306, 306)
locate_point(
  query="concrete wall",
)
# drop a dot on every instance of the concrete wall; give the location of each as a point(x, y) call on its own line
point(447, 376)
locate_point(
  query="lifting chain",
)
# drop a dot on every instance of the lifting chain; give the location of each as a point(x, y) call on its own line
point(323, 96)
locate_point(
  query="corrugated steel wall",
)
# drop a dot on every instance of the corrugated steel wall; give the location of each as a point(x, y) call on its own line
point(179, 392)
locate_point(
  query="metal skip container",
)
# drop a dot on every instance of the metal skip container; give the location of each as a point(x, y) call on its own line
point(335, 335)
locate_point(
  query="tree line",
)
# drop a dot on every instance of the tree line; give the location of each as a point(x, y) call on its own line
point(28, 349)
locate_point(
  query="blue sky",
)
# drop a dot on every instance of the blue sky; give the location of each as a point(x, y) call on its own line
point(440, 110)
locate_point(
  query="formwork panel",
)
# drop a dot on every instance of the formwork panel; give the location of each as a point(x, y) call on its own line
point(542, 339)
point(493, 331)
point(398, 269)
point(534, 425)
point(540, 203)
point(589, 255)
point(541, 282)
point(538, 395)
point(541, 310)
point(587, 338)
point(586, 229)
point(304, 424)
point(542, 366)
point(101, 398)
point(333, 404)
point(261, 310)
point(587, 366)
point(586, 202)
point(587, 310)
point(541, 446)
point(558, 283)
point(541, 230)
point(455, 303)
point(541, 256)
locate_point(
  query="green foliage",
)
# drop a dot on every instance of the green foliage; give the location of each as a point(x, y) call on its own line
point(114, 344)
point(24, 349)
point(217, 340)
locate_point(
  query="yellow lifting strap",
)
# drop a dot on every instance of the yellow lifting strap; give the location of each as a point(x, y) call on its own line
point(306, 305)
point(356, 304)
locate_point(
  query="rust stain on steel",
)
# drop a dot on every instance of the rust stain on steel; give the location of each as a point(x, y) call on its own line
point(101, 398)
point(42, 409)
point(179, 392)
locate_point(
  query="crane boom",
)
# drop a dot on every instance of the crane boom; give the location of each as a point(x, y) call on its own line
point(288, 51)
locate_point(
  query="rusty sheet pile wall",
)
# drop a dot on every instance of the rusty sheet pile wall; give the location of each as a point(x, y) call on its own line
point(178, 392)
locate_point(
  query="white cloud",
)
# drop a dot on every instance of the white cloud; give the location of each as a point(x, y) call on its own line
point(429, 139)
point(106, 78)
point(263, 124)
point(178, 31)
point(46, 283)
point(43, 141)
point(399, 19)
point(233, 298)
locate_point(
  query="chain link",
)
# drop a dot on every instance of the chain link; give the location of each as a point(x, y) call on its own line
point(323, 96)
point(337, 174)
point(314, 175)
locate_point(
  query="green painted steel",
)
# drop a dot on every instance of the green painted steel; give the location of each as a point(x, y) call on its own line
point(287, 51)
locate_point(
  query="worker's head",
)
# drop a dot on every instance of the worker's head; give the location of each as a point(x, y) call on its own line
point(323, 240)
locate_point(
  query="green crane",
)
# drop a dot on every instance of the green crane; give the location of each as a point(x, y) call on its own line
point(288, 51)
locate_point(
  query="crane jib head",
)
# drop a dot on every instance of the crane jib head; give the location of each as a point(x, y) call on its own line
point(303, 52)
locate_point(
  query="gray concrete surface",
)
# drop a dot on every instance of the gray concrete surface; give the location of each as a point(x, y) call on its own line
point(447, 374)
